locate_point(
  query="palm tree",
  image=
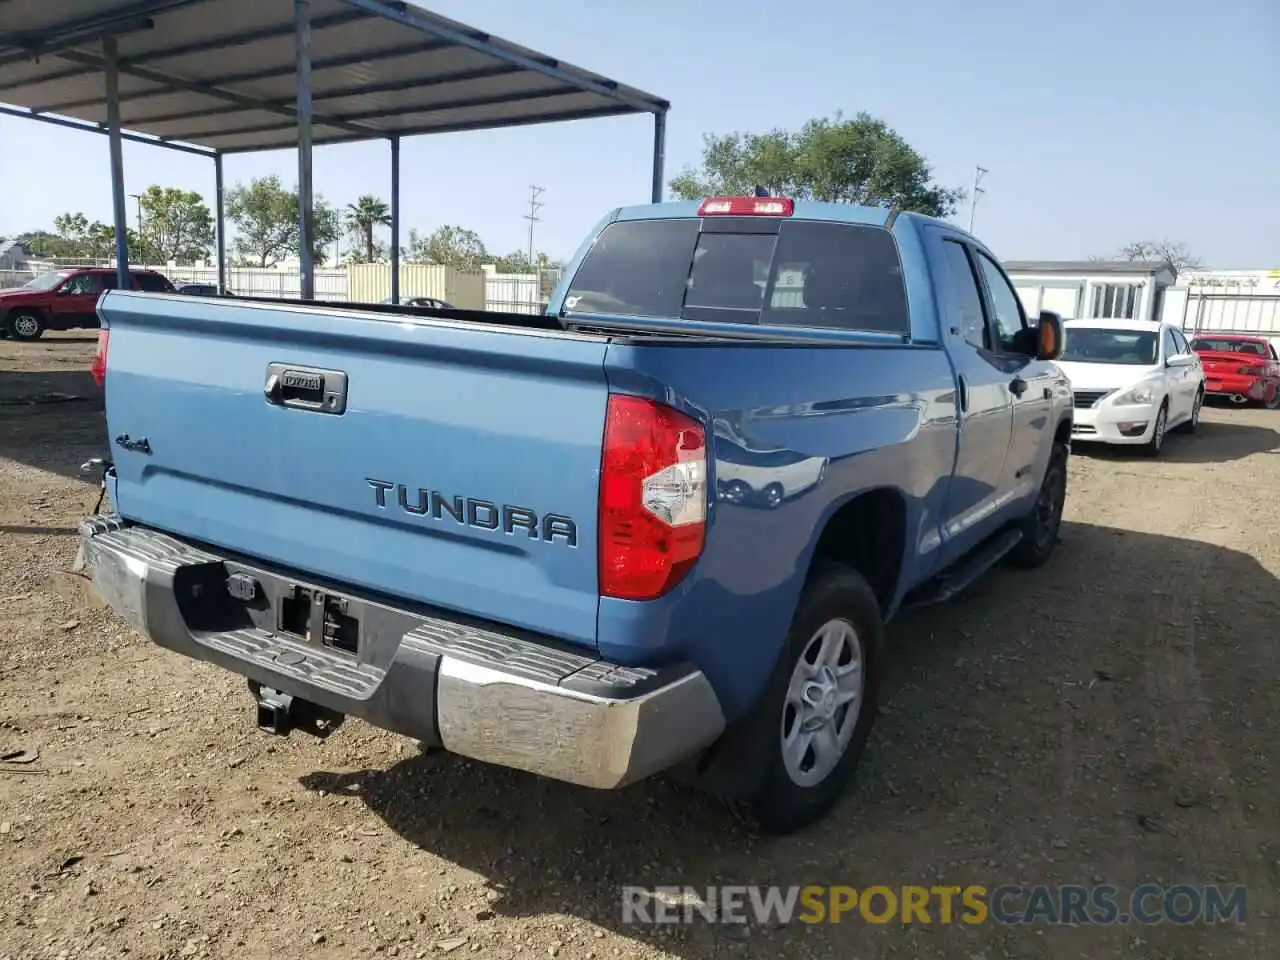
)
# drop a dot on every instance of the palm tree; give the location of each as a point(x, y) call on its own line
point(365, 214)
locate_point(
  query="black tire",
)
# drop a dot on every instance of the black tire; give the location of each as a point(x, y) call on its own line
point(737, 491)
point(26, 325)
point(773, 495)
point(1153, 446)
point(1040, 527)
point(1191, 425)
point(775, 803)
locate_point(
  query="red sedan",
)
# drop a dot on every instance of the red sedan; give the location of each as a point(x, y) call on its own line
point(1240, 368)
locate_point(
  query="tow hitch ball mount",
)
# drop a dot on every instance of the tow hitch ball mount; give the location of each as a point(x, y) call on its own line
point(280, 713)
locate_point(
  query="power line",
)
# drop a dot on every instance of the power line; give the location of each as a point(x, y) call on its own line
point(978, 173)
point(532, 216)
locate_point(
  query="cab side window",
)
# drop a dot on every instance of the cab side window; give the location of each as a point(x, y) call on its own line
point(1181, 341)
point(1170, 344)
point(1004, 302)
point(970, 319)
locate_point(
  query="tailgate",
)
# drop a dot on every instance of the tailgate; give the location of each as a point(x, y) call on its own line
point(462, 470)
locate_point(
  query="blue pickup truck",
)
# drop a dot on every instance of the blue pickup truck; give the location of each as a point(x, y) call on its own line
point(510, 536)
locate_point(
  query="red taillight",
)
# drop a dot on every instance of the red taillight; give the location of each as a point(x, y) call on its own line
point(99, 366)
point(747, 207)
point(1253, 371)
point(653, 498)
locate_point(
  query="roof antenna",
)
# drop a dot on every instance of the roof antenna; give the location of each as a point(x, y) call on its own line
point(762, 191)
point(892, 218)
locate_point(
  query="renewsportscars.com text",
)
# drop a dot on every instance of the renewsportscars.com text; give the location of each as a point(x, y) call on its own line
point(1007, 905)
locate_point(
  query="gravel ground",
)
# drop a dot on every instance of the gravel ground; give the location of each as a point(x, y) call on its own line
point(1111, 718)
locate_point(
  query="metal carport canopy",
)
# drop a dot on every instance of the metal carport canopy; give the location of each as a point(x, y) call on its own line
point(216, 77)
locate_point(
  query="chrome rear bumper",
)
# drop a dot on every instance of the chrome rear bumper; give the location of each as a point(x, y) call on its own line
point(483, 691)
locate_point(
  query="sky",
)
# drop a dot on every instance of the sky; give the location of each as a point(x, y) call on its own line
point(1100, 122)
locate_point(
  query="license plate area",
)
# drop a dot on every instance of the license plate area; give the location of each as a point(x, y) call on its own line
point(316, 617)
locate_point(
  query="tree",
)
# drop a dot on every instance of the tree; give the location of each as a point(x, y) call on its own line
point(79, 238)
point(265, 215)
point(42, 243)
point(1176, 256)
point(176, 225)
point(266, 219)
point(517, 262)
point(362, 217)
point(862, 160)
point(450, 246)
point(326, 225)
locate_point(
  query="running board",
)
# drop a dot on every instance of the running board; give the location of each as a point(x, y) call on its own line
point(962, 575)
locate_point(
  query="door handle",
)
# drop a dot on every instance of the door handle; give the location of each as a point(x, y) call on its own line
point(964, 394)
point(1018, 386)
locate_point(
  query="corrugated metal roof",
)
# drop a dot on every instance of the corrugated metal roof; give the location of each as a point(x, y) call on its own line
point(220, 73)
point(1139, 267)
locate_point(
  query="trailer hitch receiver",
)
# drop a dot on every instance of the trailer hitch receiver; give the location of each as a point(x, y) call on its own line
point(281, 713)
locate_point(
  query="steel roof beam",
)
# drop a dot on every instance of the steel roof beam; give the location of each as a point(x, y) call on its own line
point(598, 113)
point(202, 46)
point(87, 127)
point(483, 43)
point(495, 100)
point(216, 93)
point(85, 30)
point(364, 89)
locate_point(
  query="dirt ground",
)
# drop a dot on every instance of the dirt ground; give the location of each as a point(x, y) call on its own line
point(1112, 718)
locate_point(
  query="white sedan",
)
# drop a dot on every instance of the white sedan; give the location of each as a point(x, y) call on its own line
point(1133, 381)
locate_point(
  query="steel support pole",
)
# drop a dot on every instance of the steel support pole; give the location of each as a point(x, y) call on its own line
point(221, 220)
point(395, 219)
point(110, 57)
point(306, 213)
point(659, 152)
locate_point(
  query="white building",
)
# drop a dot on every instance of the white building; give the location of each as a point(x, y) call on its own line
point(1092, 289)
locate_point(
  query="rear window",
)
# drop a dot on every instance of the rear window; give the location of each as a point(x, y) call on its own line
point(153, 283)
point(807, 274)
point(1229, 346)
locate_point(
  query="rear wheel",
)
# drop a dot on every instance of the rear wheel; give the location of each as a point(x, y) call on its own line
point(812, 725)
point(26, 325)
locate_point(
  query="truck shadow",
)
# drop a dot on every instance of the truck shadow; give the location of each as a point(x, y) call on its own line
point(52, 420)
point(1045, 706)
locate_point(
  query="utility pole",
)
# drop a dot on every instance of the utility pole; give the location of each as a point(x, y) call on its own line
point(532, 216)
point(978, 173)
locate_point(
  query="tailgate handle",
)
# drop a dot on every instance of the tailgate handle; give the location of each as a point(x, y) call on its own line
point(306, 388)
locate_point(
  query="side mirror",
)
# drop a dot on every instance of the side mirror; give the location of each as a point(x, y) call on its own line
point(1180, 360)
point(61, 292)
point(1051, 337)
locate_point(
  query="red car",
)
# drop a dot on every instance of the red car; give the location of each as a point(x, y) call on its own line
point(65, 299)
point(1239, 367)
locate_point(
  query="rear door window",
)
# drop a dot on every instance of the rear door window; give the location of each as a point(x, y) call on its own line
point(152, 282)
point(796, 273)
